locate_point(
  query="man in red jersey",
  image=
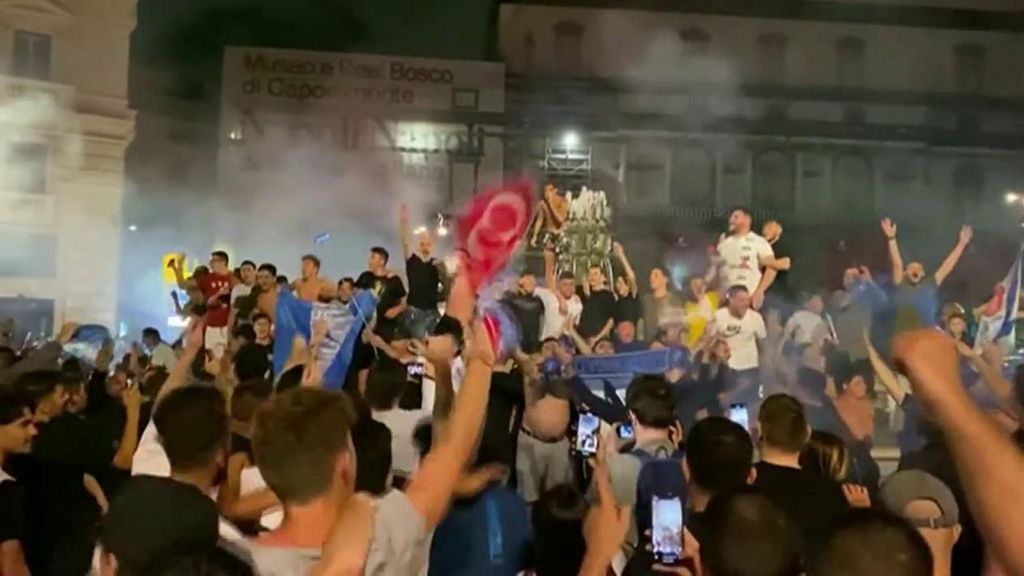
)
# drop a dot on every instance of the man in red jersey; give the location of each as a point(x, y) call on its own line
point(216, 288)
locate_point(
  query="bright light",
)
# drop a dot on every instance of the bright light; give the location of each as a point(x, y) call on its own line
point(442, 230)
point(1012, 197)
point(177, 321)
point(133, 228)
point(570, 139)
point(420, 230)
point(235, 135)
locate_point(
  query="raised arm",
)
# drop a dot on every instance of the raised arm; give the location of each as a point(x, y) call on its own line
point(178, 267)
point(620, 253)
point(193, 345)
point(883, 373)
point(403, 229)
point(966, 233)
point(976, 442)
point(130, 433)
point(889, 229)
point(431, 487)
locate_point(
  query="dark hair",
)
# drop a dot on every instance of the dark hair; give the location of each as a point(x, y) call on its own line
point(297, 440)
point(526, 272)
point(423, 437)
point(719, 455)
point(743, 209)
point(247, 263)
point(347, 280)
point(380, 251)
point(783, 423)
point(38, 384)
point(269, 268)
point(290, 378)
point(313, 259)
point(251, 362)
point(193, 426)
point(870, 541)
point(745, 533)
point(282, 280)
point(734, 290)
point(220, 255)
point(13, 405)
point(248, 397)
point(151, 332)
point(260, 316)
point(151, 386)
point(385, 385)
point(372, 443)
point(567, 276)
point(558, 528)
point(690, 296)
point(649, 397)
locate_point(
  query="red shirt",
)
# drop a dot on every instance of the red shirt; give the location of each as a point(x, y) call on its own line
point(218, 311)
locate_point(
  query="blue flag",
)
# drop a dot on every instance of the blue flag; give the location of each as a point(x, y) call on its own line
point(999, 316)
point(345, 324)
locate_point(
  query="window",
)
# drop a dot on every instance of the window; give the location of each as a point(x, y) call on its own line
point(969, 68)
point(853, 189)
point(31, 55)
point(774, 181)
point(529, 49)
point(27, 167)
point(850, 62)
point(695, 41)
point(466, 98)
point(569, 46)
point(28, 254)
point(773, 57)
point(969, 185)
point(693, 178)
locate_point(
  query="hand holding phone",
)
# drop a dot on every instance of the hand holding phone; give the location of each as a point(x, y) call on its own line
point(738, 414)
point(585, 441)
point(667, 530)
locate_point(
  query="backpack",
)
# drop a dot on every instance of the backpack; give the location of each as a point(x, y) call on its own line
point(661, 475)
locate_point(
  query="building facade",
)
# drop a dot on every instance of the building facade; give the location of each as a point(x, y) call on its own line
point(812, 111)
point(67, 123)
point(320, 149)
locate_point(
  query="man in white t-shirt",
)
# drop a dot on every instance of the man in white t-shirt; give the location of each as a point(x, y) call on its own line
point(806, 324)
point(742, 258)
point(742, 329)
point(561, 304)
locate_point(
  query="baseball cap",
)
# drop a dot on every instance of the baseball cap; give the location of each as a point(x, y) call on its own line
point(154, 521)
point(908, 486)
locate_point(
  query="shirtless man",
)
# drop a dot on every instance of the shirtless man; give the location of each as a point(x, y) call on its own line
point(312, 287)
point(266, 290)
point(552, 213)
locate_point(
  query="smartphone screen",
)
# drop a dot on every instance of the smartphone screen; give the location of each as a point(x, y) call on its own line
point(738, 414)
point(667, 530)
point(414, 371)
point(624, 431)
point(587, 426)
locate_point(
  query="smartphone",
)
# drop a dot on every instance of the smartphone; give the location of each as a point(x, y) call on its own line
point(587, 427)
point(624, 432)
point(667, 530)
point(414, 372)
point(738, 414)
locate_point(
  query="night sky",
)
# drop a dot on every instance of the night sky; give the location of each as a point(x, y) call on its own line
point(187, 36)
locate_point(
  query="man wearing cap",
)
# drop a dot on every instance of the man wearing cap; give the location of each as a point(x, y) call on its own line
point(926, 503)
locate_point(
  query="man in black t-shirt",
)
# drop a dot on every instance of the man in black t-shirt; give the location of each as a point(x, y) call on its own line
point(389, 290)
point(782, 262)
point(810, 501)
point(423, 272)
point(528, 310)
point(16, 433)
point(598, 316)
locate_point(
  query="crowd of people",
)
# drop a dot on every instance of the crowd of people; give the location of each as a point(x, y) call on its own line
point(751, 454)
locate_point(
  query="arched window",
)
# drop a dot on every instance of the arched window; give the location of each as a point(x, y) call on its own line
point(569, 46)
point(969, 68)
point(773, 181)
point(850, 62)
point(693, 178)
point(853, 188)
point(772, 54)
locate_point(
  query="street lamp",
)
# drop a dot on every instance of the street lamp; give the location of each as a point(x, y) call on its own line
point(570, 139)
point(1013, 198)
